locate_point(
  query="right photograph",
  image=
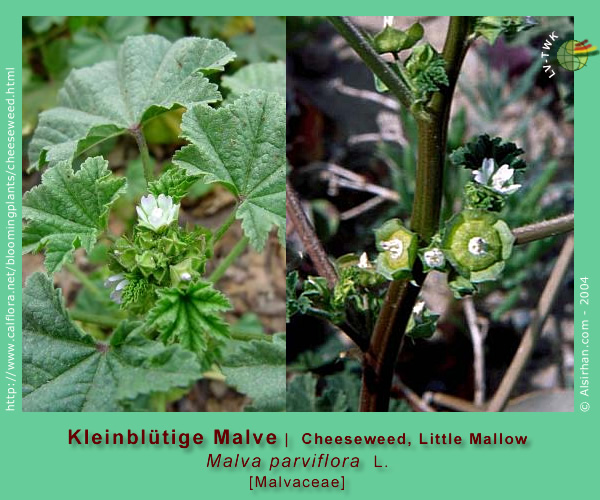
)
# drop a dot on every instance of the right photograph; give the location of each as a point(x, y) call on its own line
point(430, 214)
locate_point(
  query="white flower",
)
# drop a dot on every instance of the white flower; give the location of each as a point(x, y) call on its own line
point(434, 258)
point(478, 246)
point(395, 247)
point(500, 181)
point(388, 21)
point(418, 310)
point(363, 261)
point(156, 213)
point(121, 282)
point(185, 276)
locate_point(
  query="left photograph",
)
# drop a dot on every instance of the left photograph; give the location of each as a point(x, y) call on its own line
point(154, 214)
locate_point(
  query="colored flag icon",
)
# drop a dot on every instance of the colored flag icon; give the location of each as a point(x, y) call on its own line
point(585, 48)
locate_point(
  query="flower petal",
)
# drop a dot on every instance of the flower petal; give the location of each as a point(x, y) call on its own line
point(511, 189)
point(487, 167)
point(502, 176)
point(148, 203)
point(142, 215)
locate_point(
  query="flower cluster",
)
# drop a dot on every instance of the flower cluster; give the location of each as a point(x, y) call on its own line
point(159, 254)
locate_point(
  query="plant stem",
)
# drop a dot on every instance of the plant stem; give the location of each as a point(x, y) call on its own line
point(310, 240)
point(236, 251)
point(451, 402)
point(97, 319)
point(218, 234)
point(544, 229)
point(477, 338)
point(386, 341)
point(251, 336)
point(317, 253)
point(83, 279)
point(400, 89)
point(138, 133)
point(500, 398)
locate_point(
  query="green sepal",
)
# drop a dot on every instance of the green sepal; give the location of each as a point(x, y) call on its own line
point(470, 224)
point(394, 40)
point(460, 286)
point(145, 263)
point(188, 266)
point(413, 35)
point(435, 244)
point(150, 261)
point(391, 267)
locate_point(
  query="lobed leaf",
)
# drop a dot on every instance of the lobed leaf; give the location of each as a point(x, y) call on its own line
point(65, 369)
point(267, 41)
point(69, 209)
point(242, 145)
point(472, 154)
point(190, 315)
point(257, 368)
point(150, 76)
point(257, 76)
point(93, 45)
point(174, 182)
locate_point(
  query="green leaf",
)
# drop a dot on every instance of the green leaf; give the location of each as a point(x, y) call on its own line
point(65, 369)
point(491, 27)
point(150, 76)
point(242, 145)
point(258, 76)
point(257, 368)
point(172, 28)
point(39, 24)
point(69, 209)
point(426, 69)
point(302, 395)
point(96, 44)
point(267, 41)
point(190, 315)
point(174, 182)
point(471, 155)
point(294, 304)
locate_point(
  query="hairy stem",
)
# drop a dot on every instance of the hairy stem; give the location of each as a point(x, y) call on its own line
point(373, 60)
point(500, 398)
point(83, 279)
point(245, 336)
point(218, 234)
point(97, 319)
point(307, 234)
point(543, 229)
point(138, 133)
point(386, 341)
point(236, 251)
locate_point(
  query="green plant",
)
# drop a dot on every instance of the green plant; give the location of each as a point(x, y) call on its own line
point(163, 326)
point(473, 246)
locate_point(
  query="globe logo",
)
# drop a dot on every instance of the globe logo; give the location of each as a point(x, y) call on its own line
point(571, 56)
